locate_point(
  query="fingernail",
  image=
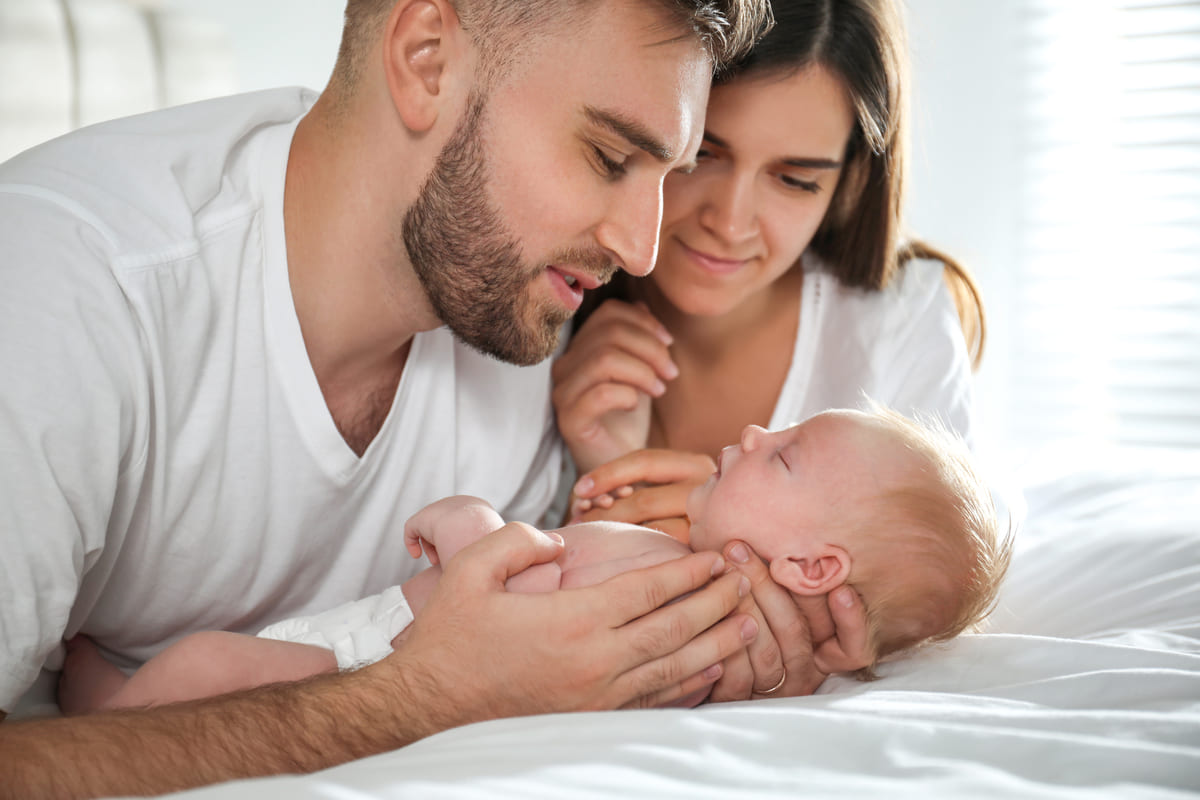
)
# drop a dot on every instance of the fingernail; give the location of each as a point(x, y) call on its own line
point(584, 485)
point(557, 539)
point(743, 586)
point(740, 553)
point(713, 672)
point(845, 596)
point(672, 370)
point(659, 388)
point(665, 337)
point(718, 567)
point(749, 629)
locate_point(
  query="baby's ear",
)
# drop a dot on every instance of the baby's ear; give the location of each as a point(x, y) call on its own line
point(814, 573)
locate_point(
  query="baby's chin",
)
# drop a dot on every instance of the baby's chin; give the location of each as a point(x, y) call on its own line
point(701, 538)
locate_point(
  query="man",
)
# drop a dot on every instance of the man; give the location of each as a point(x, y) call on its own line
point(227, 384)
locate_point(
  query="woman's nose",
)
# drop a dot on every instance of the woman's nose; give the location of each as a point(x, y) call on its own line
point(730, 213)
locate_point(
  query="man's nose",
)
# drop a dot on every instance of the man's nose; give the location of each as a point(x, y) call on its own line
point(630, 230)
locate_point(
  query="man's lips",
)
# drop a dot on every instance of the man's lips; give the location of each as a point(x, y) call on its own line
point(569, 284)
point(581, 277)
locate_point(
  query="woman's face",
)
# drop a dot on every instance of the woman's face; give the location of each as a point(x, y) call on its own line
point(766, 172)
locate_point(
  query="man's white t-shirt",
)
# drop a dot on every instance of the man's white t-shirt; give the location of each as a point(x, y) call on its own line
point(167, 461)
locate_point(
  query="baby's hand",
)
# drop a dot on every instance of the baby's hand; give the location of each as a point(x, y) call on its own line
point(416, 543)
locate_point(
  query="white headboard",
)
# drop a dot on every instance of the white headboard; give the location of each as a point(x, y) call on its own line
point(68, 63)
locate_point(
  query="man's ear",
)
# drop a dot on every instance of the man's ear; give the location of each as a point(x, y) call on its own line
point(418, 45)
point(818, 572)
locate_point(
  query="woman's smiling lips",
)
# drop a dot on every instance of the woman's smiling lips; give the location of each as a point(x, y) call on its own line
point(711, 263)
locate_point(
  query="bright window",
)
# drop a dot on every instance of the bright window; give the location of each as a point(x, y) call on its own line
point(1106, 308)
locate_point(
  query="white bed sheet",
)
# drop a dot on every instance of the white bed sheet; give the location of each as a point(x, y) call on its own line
point(1087, 685)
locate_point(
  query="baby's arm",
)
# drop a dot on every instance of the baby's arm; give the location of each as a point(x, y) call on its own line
point(447, 526)
point(199, 665)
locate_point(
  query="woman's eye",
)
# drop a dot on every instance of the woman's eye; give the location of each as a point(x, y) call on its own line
point(812, 187)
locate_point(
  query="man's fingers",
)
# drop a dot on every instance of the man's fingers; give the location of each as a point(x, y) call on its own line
point(701, 683)
point(503, 553)
point(691, 667)
point(635, 594)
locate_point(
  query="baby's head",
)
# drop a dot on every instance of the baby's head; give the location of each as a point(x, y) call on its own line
point(893, 507)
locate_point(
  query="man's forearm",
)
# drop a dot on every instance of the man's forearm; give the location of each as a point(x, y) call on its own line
point(286, 728)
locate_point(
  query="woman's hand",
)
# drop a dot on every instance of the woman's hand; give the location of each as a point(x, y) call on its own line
point(645, 487)
point(604, 383)
point(798, 645)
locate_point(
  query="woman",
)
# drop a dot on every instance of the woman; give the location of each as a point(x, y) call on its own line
point(782, 288)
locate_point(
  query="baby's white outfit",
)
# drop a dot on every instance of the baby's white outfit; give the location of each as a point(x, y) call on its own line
point(359, 632)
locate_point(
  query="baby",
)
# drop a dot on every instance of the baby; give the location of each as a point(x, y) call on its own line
point(892, 507)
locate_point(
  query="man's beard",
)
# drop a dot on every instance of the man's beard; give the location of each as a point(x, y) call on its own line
point(469, 265)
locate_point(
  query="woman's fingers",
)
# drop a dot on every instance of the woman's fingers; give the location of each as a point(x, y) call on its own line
point(782, 657)
point(647, 505)
point(603, 384)
point(646, 466)
point(850, 648)
point(619, 341)
point(614, 365)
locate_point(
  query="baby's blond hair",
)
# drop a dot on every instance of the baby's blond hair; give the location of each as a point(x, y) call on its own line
point(940, 519)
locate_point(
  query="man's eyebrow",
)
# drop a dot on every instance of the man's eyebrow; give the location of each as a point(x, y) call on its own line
point(633, 132)
point(803, 163)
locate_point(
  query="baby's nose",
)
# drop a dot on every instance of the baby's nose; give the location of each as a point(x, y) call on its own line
point(750, 437)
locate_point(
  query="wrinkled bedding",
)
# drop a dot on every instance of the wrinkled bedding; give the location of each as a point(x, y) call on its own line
point(1086, 684)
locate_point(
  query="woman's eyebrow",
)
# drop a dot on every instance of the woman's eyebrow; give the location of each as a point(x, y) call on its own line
point(803, 163)
point(813, 163)
point(633, 132)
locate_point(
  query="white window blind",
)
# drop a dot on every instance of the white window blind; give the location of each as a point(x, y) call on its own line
point(1107, 329)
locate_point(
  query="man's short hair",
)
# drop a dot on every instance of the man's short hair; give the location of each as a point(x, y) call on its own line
point(727, 29)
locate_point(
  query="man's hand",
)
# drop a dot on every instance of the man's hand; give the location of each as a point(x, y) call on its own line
point(478, 652)
point(798, 644)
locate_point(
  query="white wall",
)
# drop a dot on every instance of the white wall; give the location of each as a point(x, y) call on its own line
point(276, 42)
point(965, 190)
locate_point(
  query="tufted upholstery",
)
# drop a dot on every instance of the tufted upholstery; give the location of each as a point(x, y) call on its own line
point(68, 63)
